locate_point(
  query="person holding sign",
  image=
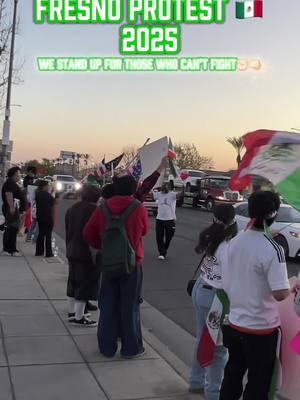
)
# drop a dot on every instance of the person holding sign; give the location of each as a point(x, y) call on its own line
point(254, 276)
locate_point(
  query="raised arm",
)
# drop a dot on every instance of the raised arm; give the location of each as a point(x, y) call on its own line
point(149, 183)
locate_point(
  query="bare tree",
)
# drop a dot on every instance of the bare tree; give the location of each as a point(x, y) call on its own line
point(129, 154)
point(5, 36)
point(188, 156)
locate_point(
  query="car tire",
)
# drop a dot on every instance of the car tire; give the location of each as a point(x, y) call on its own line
point(281, 240)
point(188, 187)
point(179, 202)
point(195, 202)
point(210, 205)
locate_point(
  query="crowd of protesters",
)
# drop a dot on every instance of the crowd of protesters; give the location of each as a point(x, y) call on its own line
point(248, 271)
point(32, 211)
point(104, 244)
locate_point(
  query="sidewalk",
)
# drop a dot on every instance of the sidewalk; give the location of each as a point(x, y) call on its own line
point(42, 356)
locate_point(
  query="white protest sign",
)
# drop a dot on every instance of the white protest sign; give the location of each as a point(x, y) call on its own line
point(31, 193)
point(151, 156)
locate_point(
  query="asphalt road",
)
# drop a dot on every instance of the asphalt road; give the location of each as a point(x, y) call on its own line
point(165, 281)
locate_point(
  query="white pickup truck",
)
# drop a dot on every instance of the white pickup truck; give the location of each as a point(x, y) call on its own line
point(187, 177)
point(66, 184)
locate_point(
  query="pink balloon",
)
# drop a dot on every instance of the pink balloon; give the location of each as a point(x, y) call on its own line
point(184, 176)
point(295, 344)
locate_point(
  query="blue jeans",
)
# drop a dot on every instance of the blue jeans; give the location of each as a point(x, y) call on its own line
point(119, 304)
point(34, 231)
point(209, 378)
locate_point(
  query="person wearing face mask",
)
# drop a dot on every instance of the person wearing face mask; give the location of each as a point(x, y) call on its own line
point(254, 277)
point(212, 242)
point(166, 219)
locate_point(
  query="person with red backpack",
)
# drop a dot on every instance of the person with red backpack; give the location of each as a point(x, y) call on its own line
point(117, 229)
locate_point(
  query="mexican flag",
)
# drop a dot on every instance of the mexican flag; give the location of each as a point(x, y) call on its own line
point(249, 9)
point(273, 155)
point(212, 332)
point(172, 158)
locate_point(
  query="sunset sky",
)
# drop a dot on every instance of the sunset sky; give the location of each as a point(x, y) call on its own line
point(100, 113)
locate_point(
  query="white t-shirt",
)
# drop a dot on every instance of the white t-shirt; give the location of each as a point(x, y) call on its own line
point(252, 267)
point(211, 268)
point(166, 205)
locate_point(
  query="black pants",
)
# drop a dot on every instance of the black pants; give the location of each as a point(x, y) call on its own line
point(10, 240)
point(11, 232)
point(253, 353)
point(44, 239)
point(83, 281)
point(165, 231)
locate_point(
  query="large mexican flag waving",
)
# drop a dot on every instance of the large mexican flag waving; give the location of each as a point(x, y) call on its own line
point(275, 156)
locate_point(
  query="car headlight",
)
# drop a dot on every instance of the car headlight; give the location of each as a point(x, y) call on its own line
point(220, 197)
point(295, 234)
point(77, 186)
point(59, 186)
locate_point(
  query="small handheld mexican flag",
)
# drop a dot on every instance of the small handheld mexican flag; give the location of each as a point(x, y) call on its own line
point(212, 332)
point(172, 158)
point(249, 9)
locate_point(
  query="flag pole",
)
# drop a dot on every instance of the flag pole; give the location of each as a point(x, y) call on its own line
point(135, 157)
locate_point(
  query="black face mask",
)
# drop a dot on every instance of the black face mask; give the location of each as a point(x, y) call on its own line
point(270, 221)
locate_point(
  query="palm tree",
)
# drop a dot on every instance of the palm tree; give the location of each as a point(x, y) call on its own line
point(238, 144)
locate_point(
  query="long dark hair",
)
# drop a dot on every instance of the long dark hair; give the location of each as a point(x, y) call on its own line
point(223, 228)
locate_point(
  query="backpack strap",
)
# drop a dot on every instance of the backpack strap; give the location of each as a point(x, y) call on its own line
point(123, 217)
point(132, 206)
point(105, 210)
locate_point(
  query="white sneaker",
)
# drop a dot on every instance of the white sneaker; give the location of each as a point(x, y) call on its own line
point(16, 254)
point(161, 257)
point(5, 253)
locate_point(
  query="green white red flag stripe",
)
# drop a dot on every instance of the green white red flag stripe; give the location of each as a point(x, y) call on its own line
point(249, 9)
point(172, 158)
point(275, 156)
point(212, 332)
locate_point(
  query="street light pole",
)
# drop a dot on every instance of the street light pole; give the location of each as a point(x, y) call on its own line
point(6, 123)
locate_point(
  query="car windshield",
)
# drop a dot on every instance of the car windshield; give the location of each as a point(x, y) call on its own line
point(288, 214)
point(65, 178)
point(196, 174)
point(219, 183)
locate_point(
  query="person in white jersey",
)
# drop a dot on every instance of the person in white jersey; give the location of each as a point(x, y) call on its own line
point(211, 243)
point(166, 219)
point(254, 276)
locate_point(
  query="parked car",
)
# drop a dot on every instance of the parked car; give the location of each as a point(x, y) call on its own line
point(48, 178)
point(286, 228)
point(187, 177)
point(150, 204)
point(66, 184)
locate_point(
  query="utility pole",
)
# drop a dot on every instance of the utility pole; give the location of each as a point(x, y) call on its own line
point(6, 124)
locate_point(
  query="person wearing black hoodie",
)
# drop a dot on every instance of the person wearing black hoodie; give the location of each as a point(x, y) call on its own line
point(84, 275)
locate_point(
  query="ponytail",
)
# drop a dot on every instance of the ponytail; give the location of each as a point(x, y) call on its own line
point(214, 235)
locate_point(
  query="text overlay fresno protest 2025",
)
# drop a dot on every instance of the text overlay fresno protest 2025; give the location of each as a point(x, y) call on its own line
point(153, 26)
